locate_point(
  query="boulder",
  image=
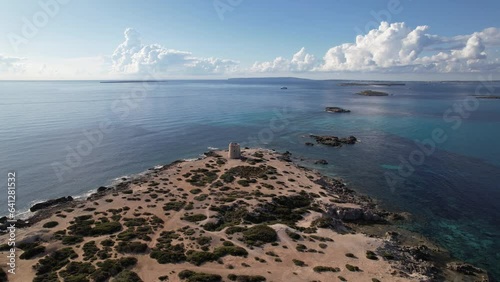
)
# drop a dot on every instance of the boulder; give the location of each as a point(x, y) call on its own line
point(463, 268)
point(322, 162)
point(102, 189)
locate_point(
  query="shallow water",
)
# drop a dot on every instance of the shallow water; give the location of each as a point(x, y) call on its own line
point(52, 135)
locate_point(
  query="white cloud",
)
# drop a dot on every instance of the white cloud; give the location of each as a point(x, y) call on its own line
point(132, 57)
point(396, 47)
point(300, 62)
point(11, 64)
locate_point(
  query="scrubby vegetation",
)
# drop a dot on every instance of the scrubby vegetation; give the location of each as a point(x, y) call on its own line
point(86, 226)
point(235, 229)
point(31, 250)
point(131, 247)
point(352, 268)
point(112, 267)
point(165, 251)
point(191, 276)
point(293, 235)
point(127, 276)
point(320, 269)
point(90, 249)
point(259, 235)
point(199, 258)
point(202, 176)
point(246, 278)
point(195, 217)
point(54, 261)
point(350, 255)
point(174, 206)
point(371, 255)
point(50, 224)
point(298, 262)
point(77, 271)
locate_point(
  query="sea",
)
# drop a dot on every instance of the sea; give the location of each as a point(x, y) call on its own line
point(429, 148)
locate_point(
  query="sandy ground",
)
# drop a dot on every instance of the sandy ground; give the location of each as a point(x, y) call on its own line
point(171, 179)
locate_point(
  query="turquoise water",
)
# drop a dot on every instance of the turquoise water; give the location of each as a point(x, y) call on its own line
point(454, 194)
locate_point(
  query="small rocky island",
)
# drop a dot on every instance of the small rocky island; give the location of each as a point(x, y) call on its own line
point(334, 141)
point(372, 93)
point(336, 110)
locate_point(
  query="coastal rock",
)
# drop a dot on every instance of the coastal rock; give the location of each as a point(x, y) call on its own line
point(4, 224)
point(50, 203)
point(464, 268)
point(321, 162)
point(392, 235)
point(353, 214)
point(102, 189)
point(309, 144)
point(334, 141)
point(286, 156)
point(336, 110)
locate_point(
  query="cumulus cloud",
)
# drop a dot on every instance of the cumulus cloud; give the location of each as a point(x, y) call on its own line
point(300, 62)
point(398, 47)
point(11, 64)
point(132, 57)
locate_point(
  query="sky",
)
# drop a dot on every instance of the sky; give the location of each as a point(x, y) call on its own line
point(218, 39)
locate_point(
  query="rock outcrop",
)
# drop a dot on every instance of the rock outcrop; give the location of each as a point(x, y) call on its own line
point(353, 214)
point(336, 110)
point(334, 141)
point(50, 203)
point(321, 162)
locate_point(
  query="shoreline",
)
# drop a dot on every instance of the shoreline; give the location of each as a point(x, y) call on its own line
point(352, 213)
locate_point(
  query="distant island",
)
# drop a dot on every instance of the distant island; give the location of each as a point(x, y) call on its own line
point(283, 80)
point(372, 93)
point(372, 84)
point(486, 96)
point(132, 81)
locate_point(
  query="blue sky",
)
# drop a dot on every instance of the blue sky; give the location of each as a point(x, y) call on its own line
point(80, 40)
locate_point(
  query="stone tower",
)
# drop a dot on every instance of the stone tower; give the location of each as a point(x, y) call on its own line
point(234, 151)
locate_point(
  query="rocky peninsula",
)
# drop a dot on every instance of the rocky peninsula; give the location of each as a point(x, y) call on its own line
point(257, 218)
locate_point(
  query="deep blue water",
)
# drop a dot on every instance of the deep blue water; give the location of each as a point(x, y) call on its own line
point(454, 193)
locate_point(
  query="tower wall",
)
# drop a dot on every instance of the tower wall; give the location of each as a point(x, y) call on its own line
point(234, 151)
